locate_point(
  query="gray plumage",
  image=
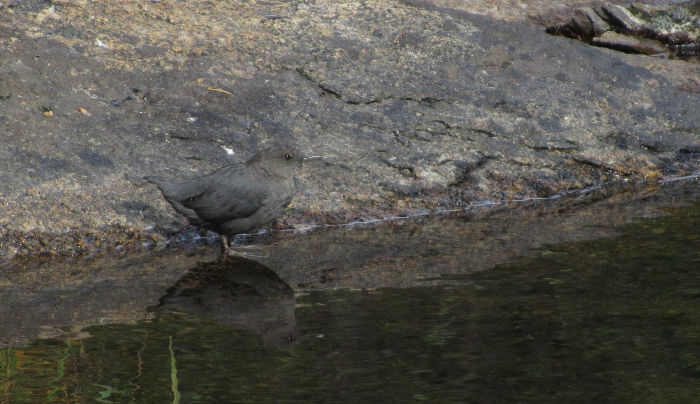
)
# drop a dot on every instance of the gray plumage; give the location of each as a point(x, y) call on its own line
point(237, 198)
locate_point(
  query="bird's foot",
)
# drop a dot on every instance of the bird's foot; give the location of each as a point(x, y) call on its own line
point(239, 250)
point(244, 251)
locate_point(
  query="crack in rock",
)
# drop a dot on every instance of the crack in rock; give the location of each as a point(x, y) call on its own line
point(466, 168)
point(429, 100)
point(404, 169)
point(323, 88)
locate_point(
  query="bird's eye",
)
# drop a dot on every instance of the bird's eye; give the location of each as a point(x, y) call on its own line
point(288, 156)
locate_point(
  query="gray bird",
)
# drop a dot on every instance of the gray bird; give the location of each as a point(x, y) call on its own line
point(237, 198)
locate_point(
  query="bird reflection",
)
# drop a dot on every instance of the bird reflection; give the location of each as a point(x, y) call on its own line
point(239, 293)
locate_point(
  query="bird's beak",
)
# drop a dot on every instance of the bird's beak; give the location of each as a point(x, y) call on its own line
point(312, 157)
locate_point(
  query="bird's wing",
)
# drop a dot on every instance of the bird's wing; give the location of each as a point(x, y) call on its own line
point(228, 197)
point(178, 191)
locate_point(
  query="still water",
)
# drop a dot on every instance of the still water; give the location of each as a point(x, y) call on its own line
point(611, 319)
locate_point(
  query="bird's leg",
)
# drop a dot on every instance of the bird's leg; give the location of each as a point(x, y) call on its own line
point(224, 246)
point(228, 250)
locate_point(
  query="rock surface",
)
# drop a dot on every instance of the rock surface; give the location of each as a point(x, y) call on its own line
point(413, 107)
point(613, 40)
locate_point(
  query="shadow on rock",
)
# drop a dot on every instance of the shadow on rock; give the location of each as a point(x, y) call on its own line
point(239, 293)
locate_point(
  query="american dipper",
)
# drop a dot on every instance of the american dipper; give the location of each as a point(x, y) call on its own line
point(236, 198)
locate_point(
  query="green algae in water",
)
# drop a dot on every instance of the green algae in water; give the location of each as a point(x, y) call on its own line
point(610, 320)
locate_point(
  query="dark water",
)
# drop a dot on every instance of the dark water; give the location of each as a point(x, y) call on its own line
point(610, 320)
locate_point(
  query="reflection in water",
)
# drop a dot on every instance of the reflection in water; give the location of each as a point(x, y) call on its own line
point(401, 253)
point(146, 362)
point(238, 293)
point(58, 299)
point(607, 320)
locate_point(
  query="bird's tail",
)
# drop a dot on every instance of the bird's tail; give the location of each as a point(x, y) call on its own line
point(177, 191)
point(155, 180)
point(164, 185)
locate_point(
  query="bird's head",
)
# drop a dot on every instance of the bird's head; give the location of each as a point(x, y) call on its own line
point(283, 161)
